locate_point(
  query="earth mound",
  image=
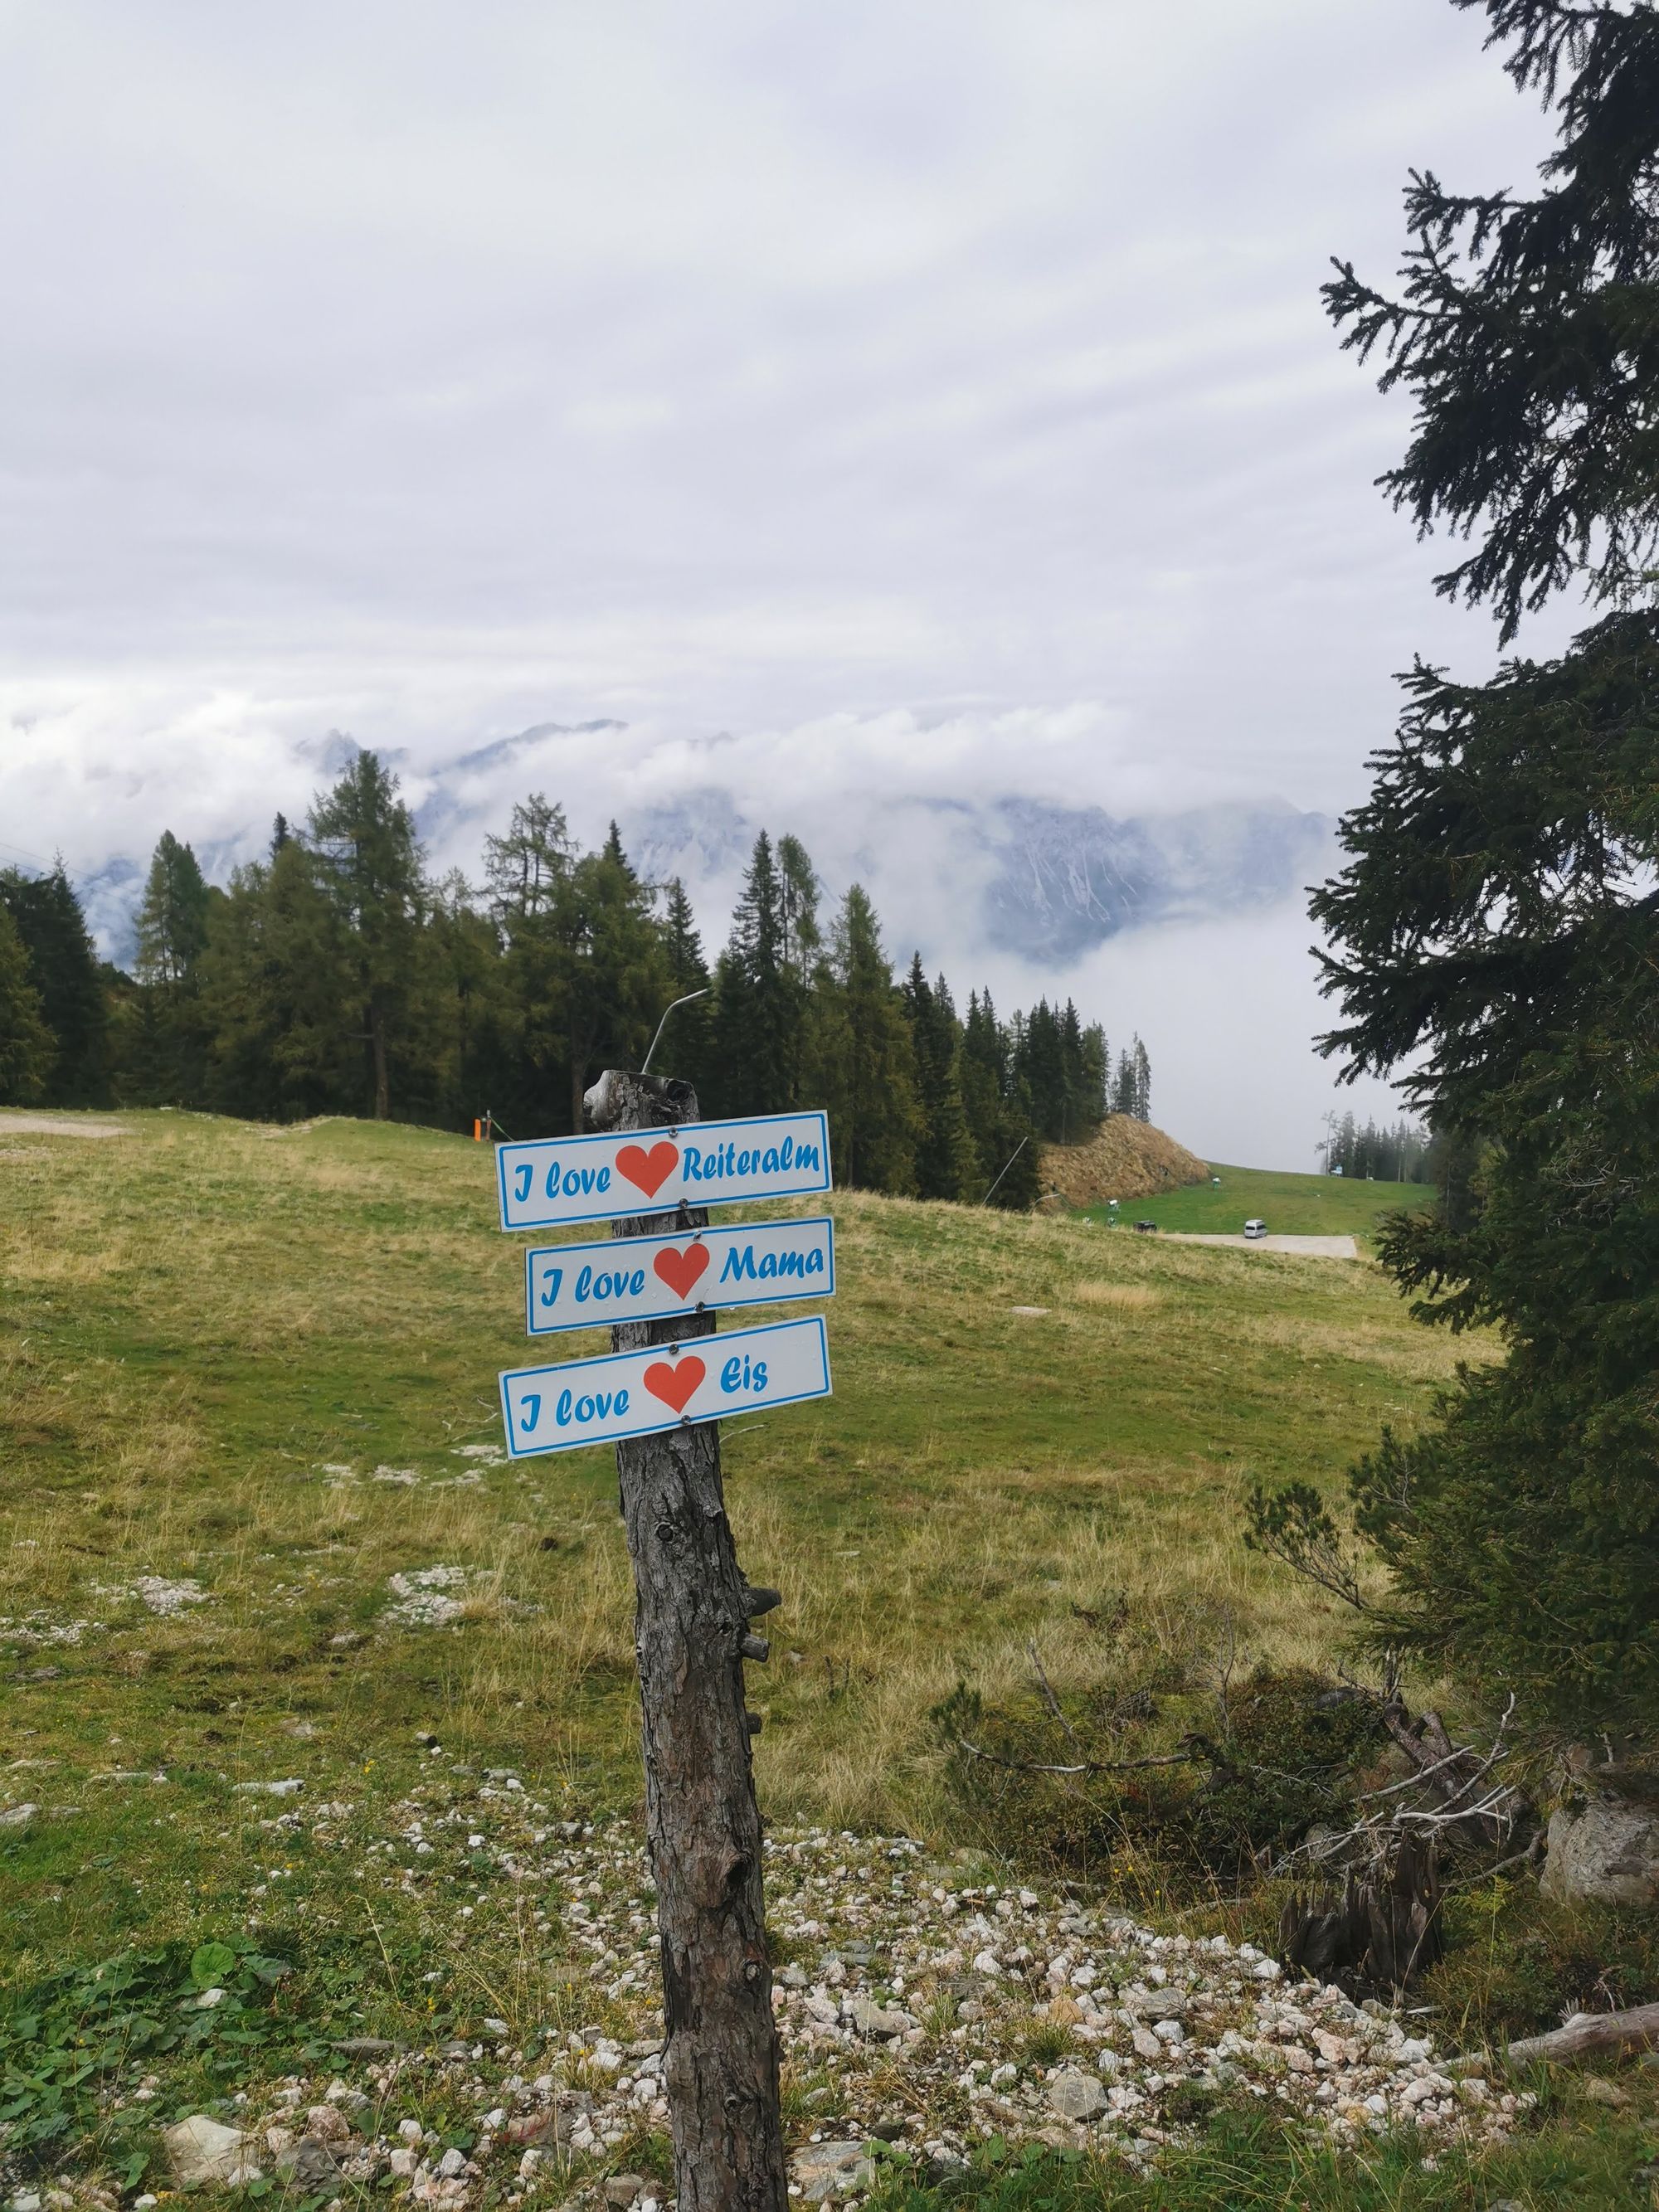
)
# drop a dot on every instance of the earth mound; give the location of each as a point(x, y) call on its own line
point(1124, 1158)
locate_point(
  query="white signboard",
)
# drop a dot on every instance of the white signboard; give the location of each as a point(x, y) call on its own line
point(646, 1278)
point(558, 1180)
point(637, 1394)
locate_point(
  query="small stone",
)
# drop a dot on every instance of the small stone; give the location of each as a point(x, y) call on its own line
point(18, 1816)
point(404, 2161)
point(452, 2163)
point(410, 2130)
point(829, 2169)
point(1160, 2004)
point(309, 2163)
point(365, 2047)
point(882, 2022)
point(1598, 2090)
point(201, 2150)
point(328, 2123)
point(621, 2189)
point(1076, 2095)
point(1147, 2044)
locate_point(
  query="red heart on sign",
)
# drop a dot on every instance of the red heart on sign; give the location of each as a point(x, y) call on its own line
point(676, 1386)
point(679, 1270)
point(647, 1172)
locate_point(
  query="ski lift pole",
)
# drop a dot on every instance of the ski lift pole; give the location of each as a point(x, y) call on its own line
point(662, 1024)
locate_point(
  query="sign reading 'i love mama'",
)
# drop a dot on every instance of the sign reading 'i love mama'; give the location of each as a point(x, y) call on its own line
point(636, 1394)
point(647, 1278)
point(561, 1180)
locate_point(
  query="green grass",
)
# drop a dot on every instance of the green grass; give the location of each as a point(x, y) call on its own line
point(1290, 1205)
point(254, 1358)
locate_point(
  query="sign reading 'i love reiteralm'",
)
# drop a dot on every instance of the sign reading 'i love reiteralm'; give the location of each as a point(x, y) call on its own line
point(635, 1394)
point(563, 1180)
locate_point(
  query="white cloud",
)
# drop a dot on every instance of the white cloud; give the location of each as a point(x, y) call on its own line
point(936, 400)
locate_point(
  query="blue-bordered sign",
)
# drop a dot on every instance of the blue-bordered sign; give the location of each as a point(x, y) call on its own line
point(638, 1393)
point(562, 1180)
point(647, 1278)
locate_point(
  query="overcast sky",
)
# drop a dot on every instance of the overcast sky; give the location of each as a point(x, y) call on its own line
point(911, 398)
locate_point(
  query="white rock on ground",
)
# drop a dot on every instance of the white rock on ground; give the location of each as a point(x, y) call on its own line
point(201, 2151)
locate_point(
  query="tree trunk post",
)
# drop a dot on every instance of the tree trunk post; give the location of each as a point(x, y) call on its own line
point(691, 1636)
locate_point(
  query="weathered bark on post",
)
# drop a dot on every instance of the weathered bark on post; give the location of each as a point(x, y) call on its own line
point(691, 1634)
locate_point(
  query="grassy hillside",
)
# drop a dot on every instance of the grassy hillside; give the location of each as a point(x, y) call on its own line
point(1290, 1205)
point(255, 1528)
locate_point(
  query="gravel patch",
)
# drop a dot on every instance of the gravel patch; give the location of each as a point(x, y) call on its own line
point(920, 2012)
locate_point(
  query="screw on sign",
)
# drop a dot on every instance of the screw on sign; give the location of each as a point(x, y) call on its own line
point(661, 1400)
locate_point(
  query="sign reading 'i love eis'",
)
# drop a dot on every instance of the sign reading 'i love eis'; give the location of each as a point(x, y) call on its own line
point(649, 1278)
point(563, 1180)
point(635, 1394)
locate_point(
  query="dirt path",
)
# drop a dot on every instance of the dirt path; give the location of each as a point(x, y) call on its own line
point(50, 1125)
point(1309, 1247)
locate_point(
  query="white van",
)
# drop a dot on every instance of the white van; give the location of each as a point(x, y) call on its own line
point(1253, 1230)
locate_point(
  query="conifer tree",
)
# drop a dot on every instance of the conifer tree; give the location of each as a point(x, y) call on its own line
point(64, 972)
point(685, 1049)
point(278, 982)
point(946, 1160)
point(757, 1017)
point(26, 1045)
point(371, 868)
point(869, 1064)
point(1495, 932)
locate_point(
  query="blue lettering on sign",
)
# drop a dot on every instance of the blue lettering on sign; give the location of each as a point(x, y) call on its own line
point(550, 1295)
point(599, 1406)
point(592, 1289)
point(572, 1182)
point(531, 1411)
point(744, 1374)
point(741, 1266)
point(522, 1174)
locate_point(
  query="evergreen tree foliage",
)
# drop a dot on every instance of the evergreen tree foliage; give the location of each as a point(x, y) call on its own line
point(867, 1067)
point(1499, 937)
point(685, 1046)
point(1528, 327)
point(946, 1158)
point(279, 990)
point(1495, 932)
point(759, 999)
point(1397, 1154)
point(63, 970)
point(264, 998)
point(172, 917)
point(371, 870)
point(26, 1045)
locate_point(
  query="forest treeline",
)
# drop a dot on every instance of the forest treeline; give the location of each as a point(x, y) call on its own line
point(1401, 1153)
point(337, 976)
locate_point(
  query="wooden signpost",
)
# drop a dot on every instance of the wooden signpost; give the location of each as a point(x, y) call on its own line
point(660, 1394)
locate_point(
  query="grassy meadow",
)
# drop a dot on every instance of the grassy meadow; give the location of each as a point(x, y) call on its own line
point(256, 1528)
point(1290, 1205)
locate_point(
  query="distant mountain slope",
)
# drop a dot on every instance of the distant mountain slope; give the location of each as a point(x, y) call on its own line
point(1046, 881)
point(1125, 1158)
point(1072, 876)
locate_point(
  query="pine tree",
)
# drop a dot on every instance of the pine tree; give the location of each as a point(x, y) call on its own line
point(64, 970)
point(1527, 331)
point(372, 870)
point(278, 986)
point(28, 1047)
point(759, 1000)
point(685, 1046)
point(1142, 1108)
point(529, 878)
point(173, 918)
point(946, 1162)
point(1496, 930)
point(869, 1070)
